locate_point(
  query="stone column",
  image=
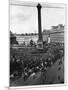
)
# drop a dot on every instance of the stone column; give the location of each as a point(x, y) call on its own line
point(40, 40)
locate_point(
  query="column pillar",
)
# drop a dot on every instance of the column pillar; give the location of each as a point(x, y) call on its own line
point(40, 39)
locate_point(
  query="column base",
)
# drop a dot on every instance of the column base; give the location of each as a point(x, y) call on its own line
point(40, 45)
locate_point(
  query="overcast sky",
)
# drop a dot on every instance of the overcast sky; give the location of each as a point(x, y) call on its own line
point(25, 19)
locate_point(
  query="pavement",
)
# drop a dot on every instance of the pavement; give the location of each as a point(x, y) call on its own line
point(30, 81)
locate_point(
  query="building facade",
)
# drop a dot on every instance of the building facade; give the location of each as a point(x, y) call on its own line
point(57, 34)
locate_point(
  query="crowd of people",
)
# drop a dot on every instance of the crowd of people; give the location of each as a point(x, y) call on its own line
point(30, 64)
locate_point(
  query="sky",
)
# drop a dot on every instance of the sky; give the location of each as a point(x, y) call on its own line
point(25, 19)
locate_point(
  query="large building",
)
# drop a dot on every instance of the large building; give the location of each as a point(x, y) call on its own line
point(26, 38)
point(57, 34)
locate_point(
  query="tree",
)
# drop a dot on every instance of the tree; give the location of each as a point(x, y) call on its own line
point(13, 39)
